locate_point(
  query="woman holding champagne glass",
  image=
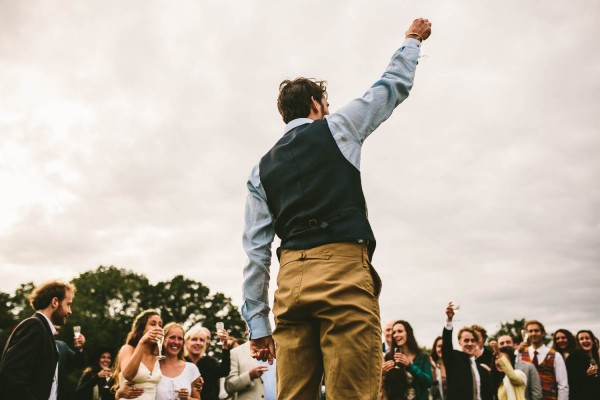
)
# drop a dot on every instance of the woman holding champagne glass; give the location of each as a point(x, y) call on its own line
point(406, 370)
point(178, 376)
point(137, 363)
point(96, 380)
point(582, 368)
point(439, 390)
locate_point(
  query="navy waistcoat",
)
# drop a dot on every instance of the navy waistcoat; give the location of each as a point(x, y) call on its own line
point(313, 191)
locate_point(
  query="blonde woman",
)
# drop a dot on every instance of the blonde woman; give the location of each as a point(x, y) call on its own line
point(196, 341)
point(178, 376)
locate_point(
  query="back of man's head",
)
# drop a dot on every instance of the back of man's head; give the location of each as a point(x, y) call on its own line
point(294, 98)
point(482, 332)
point(42, 296)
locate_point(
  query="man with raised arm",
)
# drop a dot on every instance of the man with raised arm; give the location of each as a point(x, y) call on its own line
point(307, 190)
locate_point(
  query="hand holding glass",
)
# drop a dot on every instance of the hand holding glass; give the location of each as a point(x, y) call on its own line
point(106, 377)
point(456, 308)
point(159, 343)
point(396, 351)
point(220, 326)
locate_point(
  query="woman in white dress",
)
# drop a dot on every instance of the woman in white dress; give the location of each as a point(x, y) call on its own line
point(178, 376)
point(137, 363)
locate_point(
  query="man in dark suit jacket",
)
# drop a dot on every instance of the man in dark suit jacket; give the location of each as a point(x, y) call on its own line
point(467, 380)
point(68, 360)
point(29, 363)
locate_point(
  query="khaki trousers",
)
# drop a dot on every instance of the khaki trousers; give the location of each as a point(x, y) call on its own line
point(327, 322)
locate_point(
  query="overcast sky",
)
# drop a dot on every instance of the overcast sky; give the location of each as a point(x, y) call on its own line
point(128, 130)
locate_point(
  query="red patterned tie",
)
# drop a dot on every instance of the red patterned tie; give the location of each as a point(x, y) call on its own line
point(535, 359)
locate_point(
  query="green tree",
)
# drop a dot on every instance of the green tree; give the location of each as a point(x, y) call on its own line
point(510, 328)
point(514, 329)
point(109, 298)
point(7, 318)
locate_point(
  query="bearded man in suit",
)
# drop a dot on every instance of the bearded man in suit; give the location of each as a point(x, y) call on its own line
point(29, 363)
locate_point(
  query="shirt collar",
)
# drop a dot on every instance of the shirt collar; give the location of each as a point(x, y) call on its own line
point(295, 123)
point(52, 328)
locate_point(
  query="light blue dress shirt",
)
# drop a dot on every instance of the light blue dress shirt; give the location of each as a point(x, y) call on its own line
point(350, 126)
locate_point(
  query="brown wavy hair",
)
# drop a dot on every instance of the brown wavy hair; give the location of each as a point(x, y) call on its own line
point(295, 97)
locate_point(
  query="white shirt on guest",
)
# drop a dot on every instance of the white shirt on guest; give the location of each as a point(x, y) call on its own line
point(53, 391)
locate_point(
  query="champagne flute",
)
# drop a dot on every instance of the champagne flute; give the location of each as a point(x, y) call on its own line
point(159, 343)
point(396, 351)
point(592, 363)
point(107, 378)
point(525, 335)
point(456, 308)
point(175, 392)
point(77, 334)
point(220, 326)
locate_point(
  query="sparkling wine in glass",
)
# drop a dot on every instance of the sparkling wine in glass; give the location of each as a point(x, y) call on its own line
point(396, 351)
point(456, 308)
point(220, 327)
point(525, 335)
point(107, 378)
point(159, 343)
point(592, 363)
point(76, 331)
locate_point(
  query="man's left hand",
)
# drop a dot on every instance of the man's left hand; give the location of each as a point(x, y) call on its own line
point(263, 349)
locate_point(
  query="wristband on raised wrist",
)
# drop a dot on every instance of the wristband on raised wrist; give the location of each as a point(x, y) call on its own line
point(414, 34)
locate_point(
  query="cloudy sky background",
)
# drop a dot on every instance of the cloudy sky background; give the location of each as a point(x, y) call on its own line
point(128, 129)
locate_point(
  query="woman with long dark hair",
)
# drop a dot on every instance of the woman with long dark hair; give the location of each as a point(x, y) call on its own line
point(439, 389)
point(96, 380)
point(508, 382)
point(137, 363)
point(582, 367)
point(563, 342)
point(406, 370)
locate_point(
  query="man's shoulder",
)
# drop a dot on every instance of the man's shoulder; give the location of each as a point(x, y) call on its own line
point(241, 349)
point(527, 367)
point(32, 323)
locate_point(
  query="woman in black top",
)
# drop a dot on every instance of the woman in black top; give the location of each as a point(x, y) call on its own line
point(93, 383)
point(563, 342)
point(196, 341)
point(582, 368)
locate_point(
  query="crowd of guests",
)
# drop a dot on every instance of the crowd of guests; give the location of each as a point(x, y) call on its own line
point(501, 370)
point(167, 362)
point(156, 362)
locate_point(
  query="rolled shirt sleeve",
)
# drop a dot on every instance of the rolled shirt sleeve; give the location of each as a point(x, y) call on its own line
point(350, 126)
point(259, 233)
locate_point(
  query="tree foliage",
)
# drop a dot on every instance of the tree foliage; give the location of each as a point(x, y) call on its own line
point(510, 328)
point(514, 329)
